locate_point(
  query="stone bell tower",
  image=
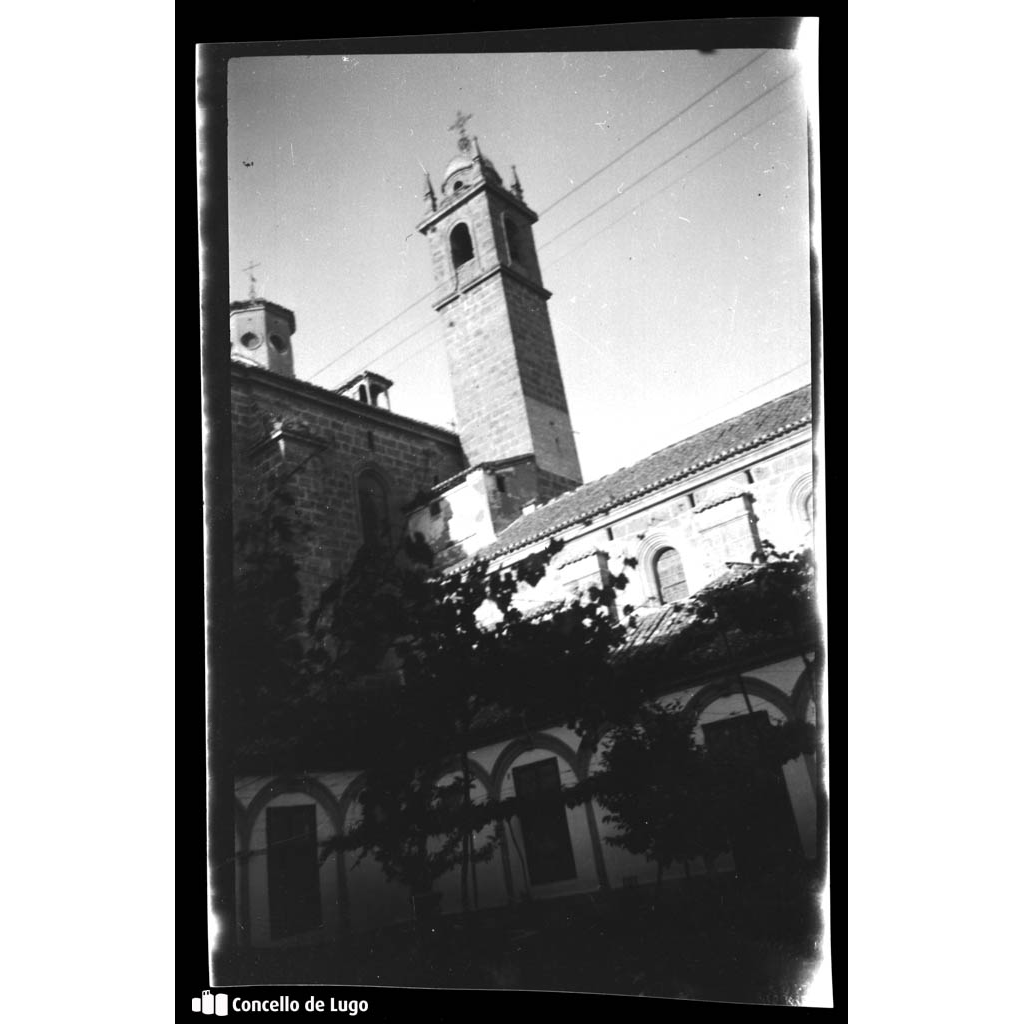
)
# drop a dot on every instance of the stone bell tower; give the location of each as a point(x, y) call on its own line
point(261, 332)
point(507, 384)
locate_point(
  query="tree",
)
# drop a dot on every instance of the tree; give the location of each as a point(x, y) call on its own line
point(774, 596)
point(265, 635)
point(672, 800)
point(452, 671)
point(659, 790)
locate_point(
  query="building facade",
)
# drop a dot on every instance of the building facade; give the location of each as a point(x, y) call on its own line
point(496, 491)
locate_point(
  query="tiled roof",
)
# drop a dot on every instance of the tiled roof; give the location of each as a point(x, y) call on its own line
point(740, 433)
point(658, 629)
point(654, 630)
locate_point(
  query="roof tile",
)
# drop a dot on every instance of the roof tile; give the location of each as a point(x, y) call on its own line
point(747, 430)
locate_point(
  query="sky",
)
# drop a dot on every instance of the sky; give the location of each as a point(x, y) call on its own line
point(673, 232)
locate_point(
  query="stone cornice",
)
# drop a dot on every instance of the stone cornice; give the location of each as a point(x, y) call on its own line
point(445, 209)
point(499, 268)
point(282, 436)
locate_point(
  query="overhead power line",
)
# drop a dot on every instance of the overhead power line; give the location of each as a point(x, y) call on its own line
point(668, 160)
point(675, 181)
point(575, 188)
point(651, 134)
point(586, 216)
point(569, 252)
point(749, 391)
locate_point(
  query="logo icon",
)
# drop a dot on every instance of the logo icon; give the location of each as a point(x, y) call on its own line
point(211, 1004)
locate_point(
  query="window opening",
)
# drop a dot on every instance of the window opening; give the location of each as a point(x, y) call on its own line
point(513, 240)
point(293, 875)
point(669, 577)
point(549, 856)
point(462, 245)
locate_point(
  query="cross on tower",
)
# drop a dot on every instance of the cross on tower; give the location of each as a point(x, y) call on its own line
point(252, 279)
point(460, 127)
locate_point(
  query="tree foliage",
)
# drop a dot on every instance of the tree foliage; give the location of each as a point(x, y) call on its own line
point(774, 594)
point(658, 788)
point(398, 671)
point(673, 800)
point(453, 670)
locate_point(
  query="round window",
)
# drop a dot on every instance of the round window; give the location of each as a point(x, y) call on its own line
point(278, 342)
point(250, 340)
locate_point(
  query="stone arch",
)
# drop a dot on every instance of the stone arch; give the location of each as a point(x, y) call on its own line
point(804, 693)
point(801, 503)
point(650, 549)
point(520, 746)
point(755, 687)
point(476, 770)
point(325, 798)
point(460, 245)
point(515, 749)
point(294, 784)
point(350, 794)
point(587, 750)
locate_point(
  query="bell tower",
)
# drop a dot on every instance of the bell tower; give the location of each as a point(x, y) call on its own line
point(261, 332)
point(507, 384)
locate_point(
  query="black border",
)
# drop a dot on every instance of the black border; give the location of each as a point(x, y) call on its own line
point(206, 60)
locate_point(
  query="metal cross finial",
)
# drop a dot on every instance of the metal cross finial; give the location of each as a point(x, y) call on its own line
point(252, 279)
point(460, 127)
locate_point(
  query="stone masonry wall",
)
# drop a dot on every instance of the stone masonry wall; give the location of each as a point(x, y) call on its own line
point(674, 522)
point(486, 385)
point(501, 349)
point(327, 444)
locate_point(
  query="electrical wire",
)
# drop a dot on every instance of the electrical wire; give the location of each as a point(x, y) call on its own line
point(667, 160)
point(651, 134)
point(577, 187)
point(589, 238)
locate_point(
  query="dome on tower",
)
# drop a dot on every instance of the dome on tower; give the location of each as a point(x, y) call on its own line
point(466, 167)
point(461, 162)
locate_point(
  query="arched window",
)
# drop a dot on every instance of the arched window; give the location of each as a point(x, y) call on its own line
point(512, 239)
point(669, 577)
point(807, 509)
point(462, 245)
point(801, 502)
point(373, 510)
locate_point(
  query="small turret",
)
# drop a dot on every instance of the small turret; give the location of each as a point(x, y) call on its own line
point(261, 335)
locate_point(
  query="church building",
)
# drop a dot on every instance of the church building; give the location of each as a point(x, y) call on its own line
point(498, 489)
